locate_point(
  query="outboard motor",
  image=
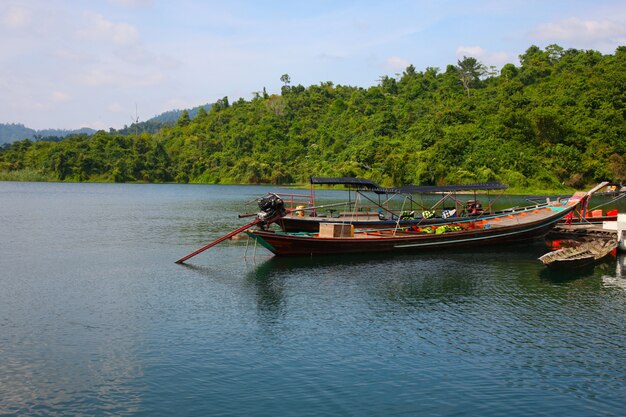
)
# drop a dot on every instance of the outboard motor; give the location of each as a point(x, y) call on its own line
point(272, 206)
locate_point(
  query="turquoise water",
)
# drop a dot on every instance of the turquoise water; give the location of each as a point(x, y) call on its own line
point(96, 319)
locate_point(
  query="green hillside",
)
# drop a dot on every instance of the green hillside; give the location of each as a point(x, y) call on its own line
point(557, 120)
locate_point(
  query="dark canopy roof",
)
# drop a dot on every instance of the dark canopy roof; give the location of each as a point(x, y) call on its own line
point(423, 189)
point(350, 181)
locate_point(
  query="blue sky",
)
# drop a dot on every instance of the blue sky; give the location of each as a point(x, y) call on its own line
point(70, 63)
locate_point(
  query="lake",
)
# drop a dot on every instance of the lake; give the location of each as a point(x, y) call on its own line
point(97, 319)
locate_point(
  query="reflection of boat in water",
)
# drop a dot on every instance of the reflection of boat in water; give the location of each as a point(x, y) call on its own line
point(514, 226)
point(586, 253)
point(617, 280)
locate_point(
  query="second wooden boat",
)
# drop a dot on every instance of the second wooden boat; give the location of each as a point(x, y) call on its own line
point(581, 255)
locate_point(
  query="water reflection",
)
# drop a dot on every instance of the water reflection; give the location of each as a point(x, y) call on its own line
point(617, 280)
point(269, 284)
point(620, 270)
point(406, 279)
point(96, 319)
point(259, 275)
point(566, 275)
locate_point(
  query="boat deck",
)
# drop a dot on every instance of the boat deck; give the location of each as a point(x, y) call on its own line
point(496, 222)
point(514, 219)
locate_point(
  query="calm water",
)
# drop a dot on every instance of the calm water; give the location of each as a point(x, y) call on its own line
point(96, 319)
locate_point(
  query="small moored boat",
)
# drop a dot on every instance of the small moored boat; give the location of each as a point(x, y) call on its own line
point(581, 255)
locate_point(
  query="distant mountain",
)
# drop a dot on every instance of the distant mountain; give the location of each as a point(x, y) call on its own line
point(173, 115)
point(168, 118)
point(16, 131)
point(10, 132)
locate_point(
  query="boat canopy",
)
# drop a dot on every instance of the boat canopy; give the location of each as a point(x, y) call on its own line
point(350, 181)
point(425, 189)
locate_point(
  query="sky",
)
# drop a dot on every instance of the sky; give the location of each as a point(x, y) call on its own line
point(67, 64)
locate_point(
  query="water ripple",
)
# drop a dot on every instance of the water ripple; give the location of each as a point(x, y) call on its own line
point(96, 319)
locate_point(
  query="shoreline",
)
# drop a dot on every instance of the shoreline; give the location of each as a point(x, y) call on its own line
point(513, 191)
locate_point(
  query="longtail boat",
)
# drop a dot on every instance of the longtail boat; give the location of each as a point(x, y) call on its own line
point(366, 209)
point(516, 225)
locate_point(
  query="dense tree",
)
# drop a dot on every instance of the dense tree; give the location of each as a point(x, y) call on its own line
point(184, 119)
point(558, 119)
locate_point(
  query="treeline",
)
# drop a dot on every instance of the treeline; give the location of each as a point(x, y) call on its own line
point(557, 120)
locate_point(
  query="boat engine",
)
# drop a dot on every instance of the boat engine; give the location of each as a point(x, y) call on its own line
point(272, 206)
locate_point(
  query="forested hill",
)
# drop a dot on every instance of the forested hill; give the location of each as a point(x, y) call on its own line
point(16, 131)
point(556, 120)
point(10, 132)
point(156, 123)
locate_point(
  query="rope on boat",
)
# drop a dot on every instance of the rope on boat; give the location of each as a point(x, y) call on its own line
point(272, 208)
point(610, 202)
point(399, 217)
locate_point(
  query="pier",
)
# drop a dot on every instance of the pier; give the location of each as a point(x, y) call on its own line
point(581, 231)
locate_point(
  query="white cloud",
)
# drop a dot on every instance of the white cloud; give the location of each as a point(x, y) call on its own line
point(331, 56)
point(73, 55)
point(60, 97)
point(396, 63)
point(473, 51)
point(140, 55)
point(179, 103)
point(497, 59)
point(17, 18)
point(115, 108)
point(131, 3)
point(99, 28)
point(575, 29)
point(28, 104)
point(109, 78)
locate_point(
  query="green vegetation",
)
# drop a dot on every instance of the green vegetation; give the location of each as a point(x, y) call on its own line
point(557, 121)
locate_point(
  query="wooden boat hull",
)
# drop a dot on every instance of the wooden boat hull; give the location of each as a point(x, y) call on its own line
point(585, 254)
point(520, 229)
